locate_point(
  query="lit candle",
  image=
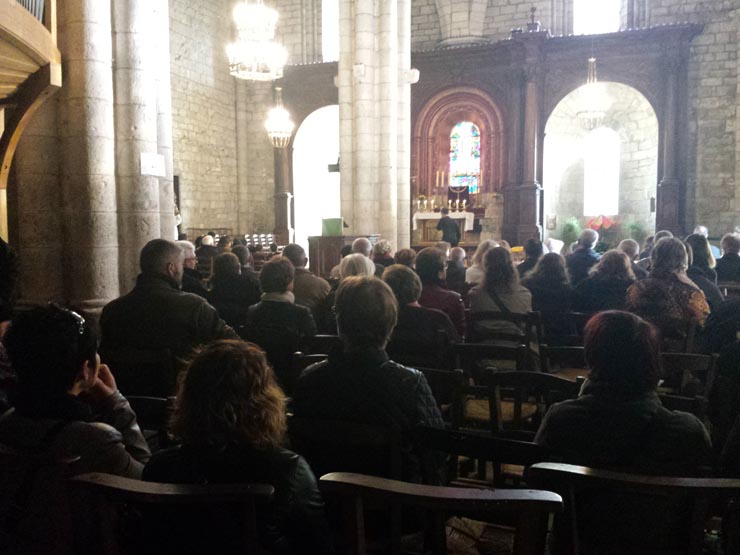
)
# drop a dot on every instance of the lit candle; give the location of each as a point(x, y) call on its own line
point(457, 205)
point(436, 179)
point(449, 204)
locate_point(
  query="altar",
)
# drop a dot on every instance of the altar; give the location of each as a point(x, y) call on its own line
point(428, 222)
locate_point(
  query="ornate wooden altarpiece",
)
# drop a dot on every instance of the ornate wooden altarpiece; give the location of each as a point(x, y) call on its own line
point(509, 89)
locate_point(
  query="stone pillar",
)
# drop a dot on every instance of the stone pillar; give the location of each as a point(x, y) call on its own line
point(371, 113)
point(136, 131)
point(242, 156)
point(283, 231)
point(668, 201)
point(161, 53)
point(86, 131)
point(403, 148)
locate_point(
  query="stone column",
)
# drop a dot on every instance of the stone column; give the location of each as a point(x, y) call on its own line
point(403, 148)
point(668, 201)
point(136, 131)
point(370, 115)
point(283, 231)
point(242, 155)
point(161, 53)
point(86, 131)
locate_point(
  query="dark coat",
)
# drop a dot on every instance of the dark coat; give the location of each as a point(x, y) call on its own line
point(456, 276)
point(421, 335)
point(706, 280)
point(367, 387)
point(233, 295)
point(191, 283)
point(294, 522)
point(728, 268)
point(579, 263)
point(526, 265)
point(449, 302)
point(156, 315)
point(599, 292)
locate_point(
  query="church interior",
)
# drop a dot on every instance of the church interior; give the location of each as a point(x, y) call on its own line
point(524, 122)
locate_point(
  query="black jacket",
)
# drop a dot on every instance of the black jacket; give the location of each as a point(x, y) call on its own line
point(367, 387)
point(191, 283)
point(450, 230)
point(728, 268)
point(706, 280)
point(597, 293)
point(156, 315)
point(233, 295)
point(579, 263)
point(293, 522)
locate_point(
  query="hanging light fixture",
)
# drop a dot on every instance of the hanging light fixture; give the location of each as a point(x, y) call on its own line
point(255, 55)
point(593, 98)
point(278, 124)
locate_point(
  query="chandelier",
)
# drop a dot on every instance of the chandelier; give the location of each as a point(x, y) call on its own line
point(593, 99)
point(255, 55)
point(278, 124)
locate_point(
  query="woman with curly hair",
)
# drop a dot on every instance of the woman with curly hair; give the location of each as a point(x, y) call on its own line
point(230, 417)
point(606, 286)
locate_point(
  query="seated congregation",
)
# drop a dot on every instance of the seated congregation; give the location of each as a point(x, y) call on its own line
point(587, 403)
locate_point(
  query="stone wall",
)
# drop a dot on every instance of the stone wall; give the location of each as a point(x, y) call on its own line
point(203, 113)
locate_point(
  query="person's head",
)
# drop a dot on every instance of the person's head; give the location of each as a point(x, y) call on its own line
point(457, 254)
point(630, 247)
point(229, 396)
point(362, 245)
point(623, 353)
point(225, 242)
point(407, 257)
point(483, 248)
point(244, 255)
point(649, 242)
point(226, 265)
point(163, 257)
point(730, 243)
point(702, 230)
point(445, 211)
point(668, 257)
point(504, 244)
point(188, 249)
point(499, 270)
point(430, 265)
point(182, 236)
point(366, 312)
point(207, 241)
point(614, 263)
point(662, 234)
point(295, 254)
point(356, 264)
point(550, 268)
point(198, 241)
point(699, 251)
point(404, 283)
point(277, 275)
point(532, 248)
point(382, 249)
point(345, 250)
point(588, 238)
point(53, 351)
point(444, 246)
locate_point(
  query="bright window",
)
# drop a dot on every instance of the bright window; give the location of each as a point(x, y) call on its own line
point(593, 17)
point(330, 30)
point(465, 156)
point(601, 173)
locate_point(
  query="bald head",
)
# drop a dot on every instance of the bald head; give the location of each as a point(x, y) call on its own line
point(362, 245)
point(457, 254)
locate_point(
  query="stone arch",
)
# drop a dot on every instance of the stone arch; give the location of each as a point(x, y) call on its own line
point(634, 119)
point(430, 152)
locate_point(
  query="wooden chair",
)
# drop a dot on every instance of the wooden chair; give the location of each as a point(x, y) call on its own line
point(688, 374)
point(445, 385)
point(143, 372)
point(345, 446)
point(565, 362)
point(730, 289)
point(614, 512)
point(524, 389)
point(693, 405)
point(321, 344)
point(415, 351)
point(101, 496)
point(531, 509)
point(529, 324)
point(302, 361)
point(474, 357)
point(153, 416)
point(499, 451)
point(34, 512)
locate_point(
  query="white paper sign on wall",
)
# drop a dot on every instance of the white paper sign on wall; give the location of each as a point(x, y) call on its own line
point(152, 164)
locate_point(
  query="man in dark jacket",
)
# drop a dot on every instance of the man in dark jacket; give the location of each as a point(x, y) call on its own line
point(192, 280)
point(449, 228)
point(156, 315)
point(532, 253)
point(728, 267)
point(584, 257)
point(361, 384)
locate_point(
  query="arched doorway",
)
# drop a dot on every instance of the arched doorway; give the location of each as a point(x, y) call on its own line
point(601, 173)
point(315, 187)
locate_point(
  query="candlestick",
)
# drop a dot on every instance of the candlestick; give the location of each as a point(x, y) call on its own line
point(436, 180)
point(418, 205)
point(449, 204)
point(457, 205)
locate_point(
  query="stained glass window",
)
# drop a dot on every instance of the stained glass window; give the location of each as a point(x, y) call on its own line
point(465, 157)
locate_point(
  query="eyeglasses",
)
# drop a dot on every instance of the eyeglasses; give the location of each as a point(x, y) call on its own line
point(79, 320)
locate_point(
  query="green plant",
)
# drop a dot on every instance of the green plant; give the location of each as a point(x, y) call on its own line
point(570, 231)
point(637, 231)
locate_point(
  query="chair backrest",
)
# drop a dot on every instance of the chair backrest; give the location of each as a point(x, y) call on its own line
point(143, 372)
point(474, 357)
point(481, 447)
point(153, 415)
point(616, 512)
point(346, 446)
point(34, 516)
point(412, 350)
point(694, 405)
point(301, 361)
point(688, 374)
point(321, 344)
point(526, 387)
point(730, 289)
point(445, 384)
point(529, 326)
point(102, 495)
point(530, 510)
point(279, 345)
point(563, 361)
